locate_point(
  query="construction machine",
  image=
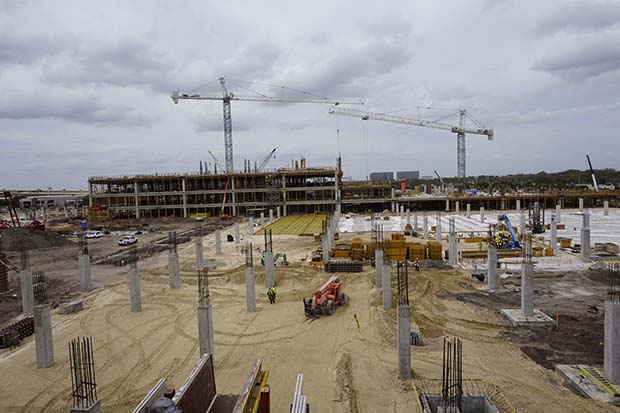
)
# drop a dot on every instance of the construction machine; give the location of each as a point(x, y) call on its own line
point(15, 222)
point(514, 244)
point(325, 299)
point(276, 257)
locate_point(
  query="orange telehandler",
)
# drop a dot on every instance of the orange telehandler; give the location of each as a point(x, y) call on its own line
point(325, 299)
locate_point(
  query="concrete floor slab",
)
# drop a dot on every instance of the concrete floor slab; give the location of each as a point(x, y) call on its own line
point(584, 385)
point(516, 318)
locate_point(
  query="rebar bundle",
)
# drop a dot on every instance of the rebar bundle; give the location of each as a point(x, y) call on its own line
point(402, 275)
point(39, 287)
point(452, 375)
point(203, 287)
point(82, 363)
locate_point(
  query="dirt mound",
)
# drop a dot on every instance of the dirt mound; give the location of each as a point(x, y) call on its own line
point(17, 239)
point(344, 392)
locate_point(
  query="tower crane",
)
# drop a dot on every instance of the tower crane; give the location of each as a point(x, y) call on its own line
point(226, 99)
point(265, 161)
point(460, 130)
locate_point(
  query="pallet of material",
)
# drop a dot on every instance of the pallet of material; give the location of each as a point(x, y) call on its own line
point(416, 250)
point(370, 251)
point(434, 250)
point(343, 266)
point(357, 254)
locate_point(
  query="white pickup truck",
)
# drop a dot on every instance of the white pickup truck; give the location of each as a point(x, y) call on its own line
point(123, 242)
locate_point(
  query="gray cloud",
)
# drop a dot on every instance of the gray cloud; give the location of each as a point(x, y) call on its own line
point(579, 16)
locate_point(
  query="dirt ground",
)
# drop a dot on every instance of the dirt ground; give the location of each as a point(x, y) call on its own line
point(346, 369)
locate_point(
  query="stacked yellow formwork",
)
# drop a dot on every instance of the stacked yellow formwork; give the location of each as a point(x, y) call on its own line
point(342, 250)
point(357, 249)
point(396, 248)
point(434, 250)
point(417, 250)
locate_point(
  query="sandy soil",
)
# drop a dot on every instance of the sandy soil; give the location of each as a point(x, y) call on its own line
point(345, 369)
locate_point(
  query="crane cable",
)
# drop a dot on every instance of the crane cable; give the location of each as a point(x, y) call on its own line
point(365, 145)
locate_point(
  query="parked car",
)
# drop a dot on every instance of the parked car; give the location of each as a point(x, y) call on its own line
point(94, 234)
point(127, 241)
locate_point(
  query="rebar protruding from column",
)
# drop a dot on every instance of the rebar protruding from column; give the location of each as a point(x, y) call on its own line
point(205, 315)
point(25, 281)
point(43, 336)
point(250, 289)
point(527, 289)
point(585, 237)
point(452, 250)
point(82, 366)
point(135, 295)
point(452, 375)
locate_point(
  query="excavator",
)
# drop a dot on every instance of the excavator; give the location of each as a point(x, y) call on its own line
point(276, 257)
point(325, 299)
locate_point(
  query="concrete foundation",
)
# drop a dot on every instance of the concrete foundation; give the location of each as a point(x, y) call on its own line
point(516, 317)
point(386, 286)
point(95, 407)
point(250, 290)
point(237, 238)
point(174, 276)
point(612, 342)
point(606, 208)
point(585, 237)
point(200, 261)
point(378, 267)
point(218, 242)
point(134, 288)
point(527, 290)
point(25, 282)
point(43, 336)
point(583, 384)
point(553, 239)
point(270, 278)
point(205, 329)
point(84, 266)
point(403, 323)
point(492, 268)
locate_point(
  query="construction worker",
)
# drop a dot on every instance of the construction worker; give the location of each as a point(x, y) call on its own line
point(416, 264)
point(271, 294)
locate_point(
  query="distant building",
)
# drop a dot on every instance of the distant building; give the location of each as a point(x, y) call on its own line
point(408, 175)
point(381, 176)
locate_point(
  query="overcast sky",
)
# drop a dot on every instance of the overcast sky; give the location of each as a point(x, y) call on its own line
point(85, 85)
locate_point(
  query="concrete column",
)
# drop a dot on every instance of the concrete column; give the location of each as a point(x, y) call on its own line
point(200, 261)
point(233, 196)
point(250, 290)
point(174, 277)
point(585, 237)
point(468, 210)
point(611, 358)
point(481, 214)
point(402, 215)
point(527, 290)
point(452, 251)
point(415, 220)
point(447, 205)
point(386, 285)
point(218, 241)
point(522, 225)
point(393, 209)
point(518, 205)
point(205, 329)
point(403, 323)
point(284, 195)
point(278, 212)
point(237, 240)
point(408, 216)
point(558, 213)
point(425, 225)
point(262, 219)
point(503, 204)
point(43, 336)
point(134, 288)
point(185, 199)
point(492, 267)
point(606, 208)
point(457, 207)
point(25, 282)
point(438, 229)
point(378, 267)
point(251, 226)
point(270, 215)
point(136, 200)
point(581, 204)
point(325, 248)
point(554, 233)
point(84, 266)
point(270, 278)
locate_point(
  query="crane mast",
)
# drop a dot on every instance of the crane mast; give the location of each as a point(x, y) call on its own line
point(460, 130)
point(227, 97)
